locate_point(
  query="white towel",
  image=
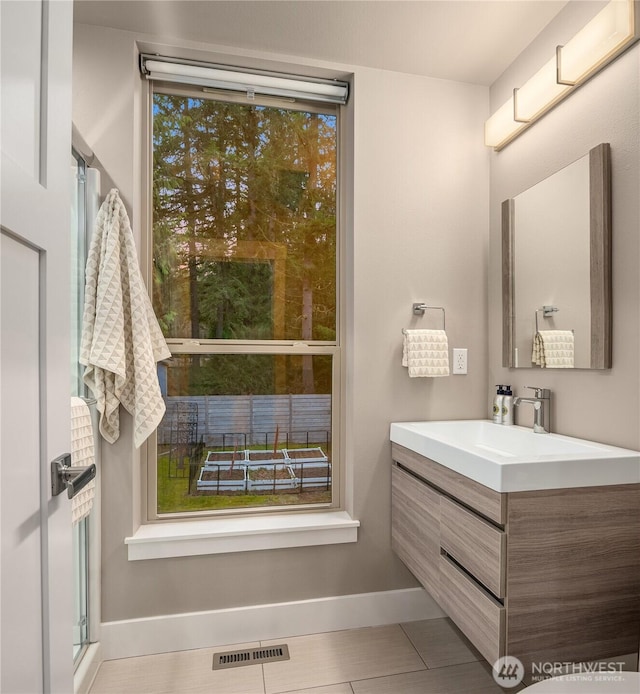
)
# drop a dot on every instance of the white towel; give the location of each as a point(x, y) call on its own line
point(425, 353)
point(553, 349)
point(82, 453)
point(121, 338)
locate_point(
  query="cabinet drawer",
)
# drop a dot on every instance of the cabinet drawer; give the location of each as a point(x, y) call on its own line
point(485, 501)
point(479, 616)
point(415, 527)
point(474, 543)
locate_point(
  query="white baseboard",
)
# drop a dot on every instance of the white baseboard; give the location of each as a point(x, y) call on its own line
point(180, 632)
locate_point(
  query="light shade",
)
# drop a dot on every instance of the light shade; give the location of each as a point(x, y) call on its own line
point(501, 128)
point(606, 35)
point(247, 81)
point(538, 94)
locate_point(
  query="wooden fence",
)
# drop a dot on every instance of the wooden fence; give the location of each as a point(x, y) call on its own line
point(246, 420)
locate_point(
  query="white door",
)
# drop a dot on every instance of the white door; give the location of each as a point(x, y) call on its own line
point(35, 529)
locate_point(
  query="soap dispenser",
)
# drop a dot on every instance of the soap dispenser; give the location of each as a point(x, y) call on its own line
point(507, 406)
point(497, 405)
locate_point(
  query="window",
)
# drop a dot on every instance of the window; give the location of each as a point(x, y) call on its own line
point(244, 247)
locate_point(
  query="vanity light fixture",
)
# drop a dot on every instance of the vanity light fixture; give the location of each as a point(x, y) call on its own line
point(604, 38)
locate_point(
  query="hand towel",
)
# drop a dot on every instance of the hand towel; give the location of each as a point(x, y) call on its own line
point(121, 339)
point(82, 454)
point(553, 349)
point(425, 353)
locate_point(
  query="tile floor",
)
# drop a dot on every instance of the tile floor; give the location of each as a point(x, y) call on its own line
point(426, 657)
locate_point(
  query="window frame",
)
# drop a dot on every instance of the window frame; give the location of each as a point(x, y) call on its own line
point(335, 348)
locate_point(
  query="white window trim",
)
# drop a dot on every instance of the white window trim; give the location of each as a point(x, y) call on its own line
point(249, 532)
point(241, 534)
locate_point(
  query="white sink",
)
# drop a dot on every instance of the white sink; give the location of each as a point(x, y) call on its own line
point(513, 458)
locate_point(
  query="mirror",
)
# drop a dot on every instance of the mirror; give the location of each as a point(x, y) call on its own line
point(556, 269)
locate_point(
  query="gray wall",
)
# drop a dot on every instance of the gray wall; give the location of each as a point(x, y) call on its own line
point(417, 228)
point(598, 405)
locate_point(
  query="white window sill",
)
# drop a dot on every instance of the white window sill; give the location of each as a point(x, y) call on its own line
point(246, 534)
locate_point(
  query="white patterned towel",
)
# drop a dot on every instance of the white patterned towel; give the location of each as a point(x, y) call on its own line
point(425, 353)
point(121, 339)
point(82, 453)
point(553, 349)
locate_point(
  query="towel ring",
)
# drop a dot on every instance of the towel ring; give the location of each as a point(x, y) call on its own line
point(546, 312)
point(420, 308)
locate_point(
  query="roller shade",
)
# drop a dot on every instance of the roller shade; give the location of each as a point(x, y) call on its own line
point(249, 82)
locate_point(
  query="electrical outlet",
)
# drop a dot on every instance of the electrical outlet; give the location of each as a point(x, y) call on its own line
point(460, 360)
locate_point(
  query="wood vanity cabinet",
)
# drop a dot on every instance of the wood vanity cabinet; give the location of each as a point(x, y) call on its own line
point(546, 576)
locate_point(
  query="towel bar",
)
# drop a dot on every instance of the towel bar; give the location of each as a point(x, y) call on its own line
point(420, 308)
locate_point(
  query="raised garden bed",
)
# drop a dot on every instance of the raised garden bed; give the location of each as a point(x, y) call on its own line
point(304, 455)
point(225, 457)
point(311, 466)
point(267, 456)
point(313, 475)
point(313, 472)
point(217, 477)
point(270, 477)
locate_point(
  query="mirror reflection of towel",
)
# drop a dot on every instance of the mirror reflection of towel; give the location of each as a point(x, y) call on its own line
point(553, 349)
point(425, 353)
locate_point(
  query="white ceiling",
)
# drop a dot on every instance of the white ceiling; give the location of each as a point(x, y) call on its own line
point(463, 40)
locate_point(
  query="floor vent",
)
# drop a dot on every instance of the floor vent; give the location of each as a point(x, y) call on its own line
point(250, 656)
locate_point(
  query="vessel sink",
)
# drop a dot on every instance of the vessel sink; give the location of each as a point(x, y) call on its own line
point(513, 458)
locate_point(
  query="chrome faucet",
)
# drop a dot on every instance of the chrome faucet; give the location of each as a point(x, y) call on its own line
point(541, 408)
